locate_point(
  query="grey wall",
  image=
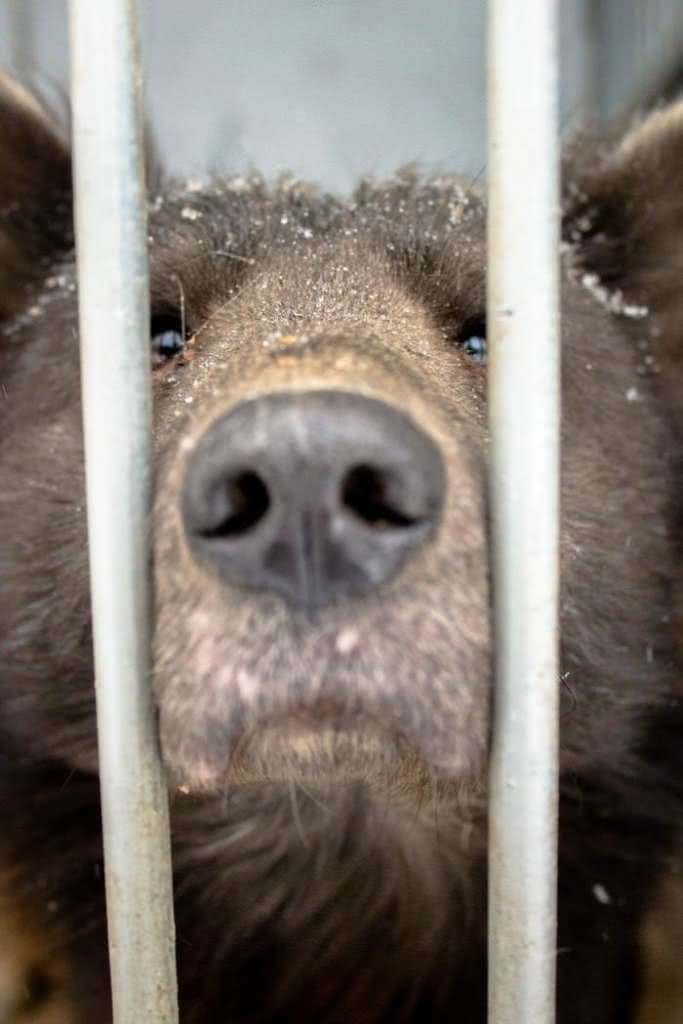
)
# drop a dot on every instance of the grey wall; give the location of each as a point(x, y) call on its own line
point(646, 48)
point(328, 89)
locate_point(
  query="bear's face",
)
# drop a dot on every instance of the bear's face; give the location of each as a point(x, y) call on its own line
point(322, 598)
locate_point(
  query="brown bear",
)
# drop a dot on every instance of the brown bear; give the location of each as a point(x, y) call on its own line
point(322, 652)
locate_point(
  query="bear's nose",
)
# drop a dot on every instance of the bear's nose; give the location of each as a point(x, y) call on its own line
point(317, 496)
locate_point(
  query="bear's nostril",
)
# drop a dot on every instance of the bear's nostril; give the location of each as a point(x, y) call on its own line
point(238, 506)
point(369, 493)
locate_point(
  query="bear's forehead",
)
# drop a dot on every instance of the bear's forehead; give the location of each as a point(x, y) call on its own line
point(405, 195)
point(217, 237)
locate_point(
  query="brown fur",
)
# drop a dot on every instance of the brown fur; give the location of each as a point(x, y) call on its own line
point(339, 874)
point(662, 945)
point(33, 967)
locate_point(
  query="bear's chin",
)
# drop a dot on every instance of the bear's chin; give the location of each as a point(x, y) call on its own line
point(319, 753)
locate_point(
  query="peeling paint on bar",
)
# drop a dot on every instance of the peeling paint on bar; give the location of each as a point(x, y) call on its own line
point(114, 324)
point(523, 327)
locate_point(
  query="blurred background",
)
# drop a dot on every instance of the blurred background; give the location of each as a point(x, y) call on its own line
point(331, 89)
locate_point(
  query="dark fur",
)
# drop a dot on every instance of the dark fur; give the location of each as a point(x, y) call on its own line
point(315, 897)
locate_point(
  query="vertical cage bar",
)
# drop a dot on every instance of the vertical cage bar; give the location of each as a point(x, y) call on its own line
point(524, 397)
point(114, 323)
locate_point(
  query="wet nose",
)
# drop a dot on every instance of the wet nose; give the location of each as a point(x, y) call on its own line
point(315, 496)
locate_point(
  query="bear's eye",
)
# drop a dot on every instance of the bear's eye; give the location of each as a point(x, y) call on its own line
point(168, 338)
point(473, 339)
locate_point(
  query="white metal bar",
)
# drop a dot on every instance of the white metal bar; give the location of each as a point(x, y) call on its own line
point(114, 324)
point(523, 324)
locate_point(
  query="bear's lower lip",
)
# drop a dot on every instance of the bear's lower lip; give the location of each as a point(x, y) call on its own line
point(321, 753)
